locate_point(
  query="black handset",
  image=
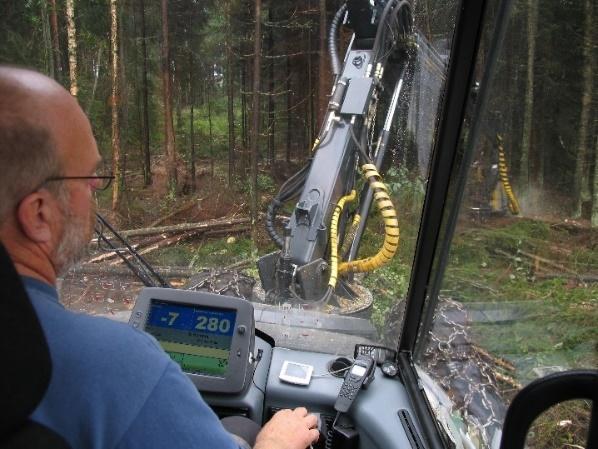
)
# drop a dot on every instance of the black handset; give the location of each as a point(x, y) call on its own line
point(360, 375)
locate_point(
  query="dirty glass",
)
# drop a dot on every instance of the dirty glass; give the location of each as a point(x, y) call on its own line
point(223, 259)
point(519, 296)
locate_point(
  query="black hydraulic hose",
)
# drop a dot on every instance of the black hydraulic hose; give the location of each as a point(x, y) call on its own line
point(143, 263)
point(365, 158)
point(332, 47)
point(270, 218)
point(291, 187)
point(393, 7)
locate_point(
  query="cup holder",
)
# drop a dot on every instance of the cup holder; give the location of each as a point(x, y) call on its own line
point(339, 366)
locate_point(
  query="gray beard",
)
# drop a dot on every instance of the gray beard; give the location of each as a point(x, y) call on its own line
point(73, 245)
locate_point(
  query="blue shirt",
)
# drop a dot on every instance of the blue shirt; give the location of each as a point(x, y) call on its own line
point(113, 387)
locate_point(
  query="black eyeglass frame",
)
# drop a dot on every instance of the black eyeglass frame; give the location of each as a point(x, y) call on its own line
point(65, 178)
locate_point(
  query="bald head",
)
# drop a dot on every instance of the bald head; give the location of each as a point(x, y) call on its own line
point(48, 158)
point(41, 126)
point(22, 90)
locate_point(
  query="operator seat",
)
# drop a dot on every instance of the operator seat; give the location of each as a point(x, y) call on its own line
point(26, 366)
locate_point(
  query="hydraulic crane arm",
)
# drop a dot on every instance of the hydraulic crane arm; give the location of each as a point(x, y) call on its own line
point(306, 268)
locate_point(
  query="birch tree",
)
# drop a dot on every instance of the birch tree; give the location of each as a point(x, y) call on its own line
point(72, 46)
point(114, 103)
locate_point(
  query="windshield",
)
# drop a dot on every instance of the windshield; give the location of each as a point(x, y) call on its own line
point(197, 233)
point(518, 299)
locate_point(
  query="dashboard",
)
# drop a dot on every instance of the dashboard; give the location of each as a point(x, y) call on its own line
point(238, 373)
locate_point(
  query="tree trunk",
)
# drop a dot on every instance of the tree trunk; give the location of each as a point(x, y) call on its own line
point(582, 166)
point(289, 106)
point(123, 94)
point(169, 148)
point(244, 114)
point(48, 56)
point(145, 143)
point(72, 45)
point(96, 64)
point(310, 95)
point(55, 42)
point(230, 102)
point(114, 101)
point(271, 106)
point(192, 119)
point(255, 125)
point(323, 76)
point(532, 26)
point(211, 138)
point(594, 219)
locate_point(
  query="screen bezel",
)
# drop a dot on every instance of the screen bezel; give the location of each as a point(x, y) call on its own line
point(243, 339)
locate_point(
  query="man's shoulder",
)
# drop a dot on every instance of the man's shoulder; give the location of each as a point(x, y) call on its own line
point(79, 339)
point(103, 372)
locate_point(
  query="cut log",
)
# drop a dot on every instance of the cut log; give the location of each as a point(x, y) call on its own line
point(109, 254)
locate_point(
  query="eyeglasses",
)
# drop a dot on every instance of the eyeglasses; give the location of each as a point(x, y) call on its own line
point(98, 183)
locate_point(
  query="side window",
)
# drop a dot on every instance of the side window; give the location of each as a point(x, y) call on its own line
point(519, 293)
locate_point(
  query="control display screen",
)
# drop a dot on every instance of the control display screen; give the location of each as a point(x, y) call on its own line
point(198, 338)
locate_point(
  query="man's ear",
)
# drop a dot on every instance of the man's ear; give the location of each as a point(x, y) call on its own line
point(36, 215)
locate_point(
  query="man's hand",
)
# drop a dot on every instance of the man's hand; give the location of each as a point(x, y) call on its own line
point(288, 429)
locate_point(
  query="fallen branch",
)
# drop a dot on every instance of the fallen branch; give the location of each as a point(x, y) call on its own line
point(493, 359)
point(226, 231)
point(538, 259)
point(585, 278)
point(98, 269)
point(239, 264)
point(111, 254)
point(508, 380)
point(161, 244)
point(200, 226)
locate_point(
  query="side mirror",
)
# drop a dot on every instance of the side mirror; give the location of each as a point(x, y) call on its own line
point(540, 395)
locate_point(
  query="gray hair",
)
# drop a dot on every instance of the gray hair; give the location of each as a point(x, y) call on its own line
point(28, 157)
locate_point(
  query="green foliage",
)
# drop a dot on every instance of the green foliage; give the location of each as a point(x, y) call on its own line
point(265, 184)
point(407, 187)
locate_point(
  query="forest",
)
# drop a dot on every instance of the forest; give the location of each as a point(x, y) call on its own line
point(183, 91)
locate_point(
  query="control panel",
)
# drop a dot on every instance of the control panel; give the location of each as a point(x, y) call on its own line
point(212, 337)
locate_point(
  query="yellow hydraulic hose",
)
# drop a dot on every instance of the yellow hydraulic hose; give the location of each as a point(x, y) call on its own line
point(391, 226)
point(338, 209)
point(512, 202)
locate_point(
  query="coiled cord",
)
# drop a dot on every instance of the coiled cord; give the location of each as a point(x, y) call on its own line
point(391, 226)
point(503, 173)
